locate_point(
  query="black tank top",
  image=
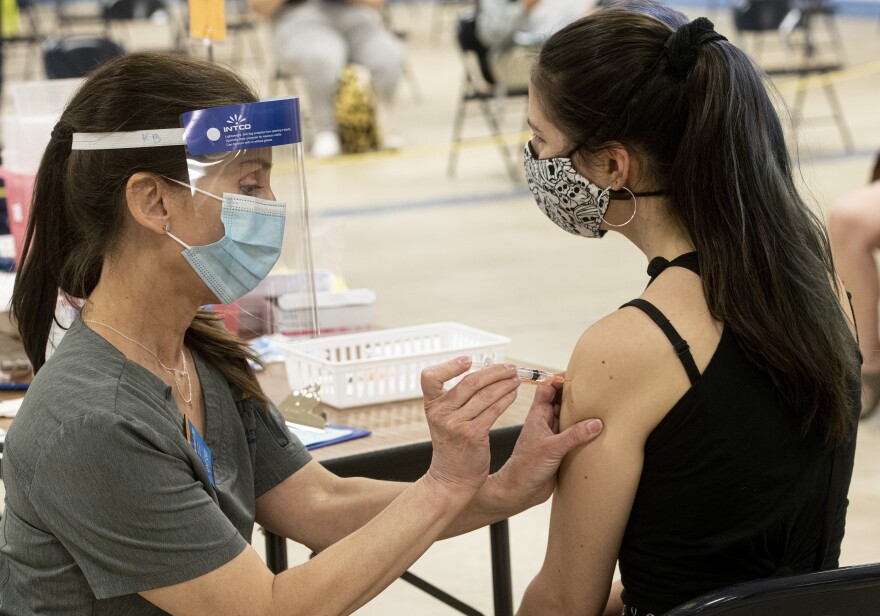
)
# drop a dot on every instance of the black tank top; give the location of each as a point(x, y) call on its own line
point(730, 491)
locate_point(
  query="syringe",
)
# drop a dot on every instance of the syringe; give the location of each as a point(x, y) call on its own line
point(532, 375)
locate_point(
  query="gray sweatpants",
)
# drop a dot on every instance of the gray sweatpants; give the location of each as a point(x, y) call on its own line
point(318, 39)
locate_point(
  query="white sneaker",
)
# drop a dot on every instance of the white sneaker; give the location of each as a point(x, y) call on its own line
point(326, 144)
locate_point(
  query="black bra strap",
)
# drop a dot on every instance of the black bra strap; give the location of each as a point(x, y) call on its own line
point(682, 348)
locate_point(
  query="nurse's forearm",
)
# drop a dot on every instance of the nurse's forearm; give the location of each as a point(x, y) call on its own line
point(355, 501)
point(355, 569)
point(491, 504)
point(349, 505)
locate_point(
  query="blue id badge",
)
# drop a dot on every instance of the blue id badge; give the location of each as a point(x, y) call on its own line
point(201, 448)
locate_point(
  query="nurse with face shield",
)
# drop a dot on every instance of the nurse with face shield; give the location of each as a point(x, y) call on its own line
point(145, 450)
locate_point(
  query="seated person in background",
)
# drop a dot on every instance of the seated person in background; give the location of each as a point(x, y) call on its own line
point(854, 225)
point(729, 389)
point(513, 31)
point(318, 38)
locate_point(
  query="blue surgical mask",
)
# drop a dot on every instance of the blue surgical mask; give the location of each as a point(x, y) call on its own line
point(233, 266)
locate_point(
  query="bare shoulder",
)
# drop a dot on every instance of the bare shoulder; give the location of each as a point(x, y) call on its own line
point(622, 371)
point(612, 341)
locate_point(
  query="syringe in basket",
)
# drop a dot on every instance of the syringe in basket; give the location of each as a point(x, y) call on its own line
point(532, 375)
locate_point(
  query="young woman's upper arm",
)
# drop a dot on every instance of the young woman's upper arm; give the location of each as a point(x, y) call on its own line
point(597, 484)
point(590, 509)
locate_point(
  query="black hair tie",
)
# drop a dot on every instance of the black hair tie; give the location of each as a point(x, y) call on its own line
point(62, 132)
point(682, 45)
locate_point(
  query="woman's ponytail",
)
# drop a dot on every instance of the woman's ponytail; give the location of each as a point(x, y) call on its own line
point(49, 244)
point(765, 256)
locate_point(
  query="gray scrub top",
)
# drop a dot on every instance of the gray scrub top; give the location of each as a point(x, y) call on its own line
point(106, 498)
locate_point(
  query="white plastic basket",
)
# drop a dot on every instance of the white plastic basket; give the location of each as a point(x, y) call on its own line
point(384, 365)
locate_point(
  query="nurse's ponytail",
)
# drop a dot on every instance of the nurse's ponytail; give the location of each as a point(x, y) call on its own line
point(78, 213)
point(43, 259)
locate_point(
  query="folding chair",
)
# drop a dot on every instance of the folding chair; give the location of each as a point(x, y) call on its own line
point(479, 87)
point(74, 56)
point(848, 591)
point(797, 29)
point(757, 19)
point(112, 18)
point(130, 10)
point(71, 17)
point(792, 21)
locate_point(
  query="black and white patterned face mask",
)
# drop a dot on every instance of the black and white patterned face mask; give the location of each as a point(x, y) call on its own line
point(566, 197)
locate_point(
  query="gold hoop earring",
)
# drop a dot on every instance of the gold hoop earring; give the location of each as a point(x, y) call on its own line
point(635, 206)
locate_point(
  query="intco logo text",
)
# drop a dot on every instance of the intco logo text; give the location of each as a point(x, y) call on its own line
point(238, 122)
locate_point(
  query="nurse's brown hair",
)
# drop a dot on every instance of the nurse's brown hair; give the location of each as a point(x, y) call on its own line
point(78, 212)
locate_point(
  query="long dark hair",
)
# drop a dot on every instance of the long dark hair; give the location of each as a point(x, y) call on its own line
point(713, 139)
point(78, 211)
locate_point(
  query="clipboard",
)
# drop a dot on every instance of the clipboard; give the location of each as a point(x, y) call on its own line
point(332, 434)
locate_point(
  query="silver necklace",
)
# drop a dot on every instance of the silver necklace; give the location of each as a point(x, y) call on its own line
point(172, 371)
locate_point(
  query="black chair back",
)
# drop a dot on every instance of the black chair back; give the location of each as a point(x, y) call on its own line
point(466, 34)
point(848, 591)
point(759, 15)
point(126, 10)
point(71, 57)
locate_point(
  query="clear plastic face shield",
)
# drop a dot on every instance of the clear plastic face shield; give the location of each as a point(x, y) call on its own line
point(247, 236)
